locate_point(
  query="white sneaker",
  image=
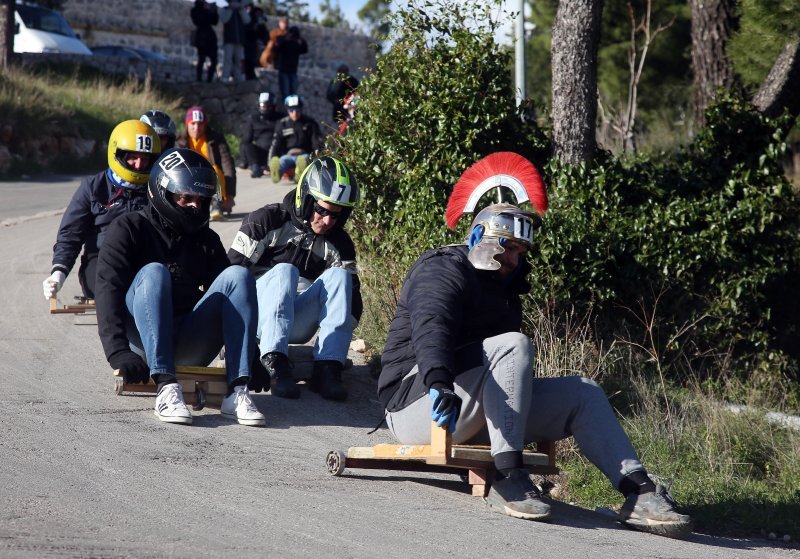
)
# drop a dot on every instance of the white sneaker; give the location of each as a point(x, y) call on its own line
point(170, 406)
point(240, 406)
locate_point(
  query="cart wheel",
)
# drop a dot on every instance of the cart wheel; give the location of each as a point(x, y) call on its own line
point(335, 462)
point(118, 386)
point(200, 402)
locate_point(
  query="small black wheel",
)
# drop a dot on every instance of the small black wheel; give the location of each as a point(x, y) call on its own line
point(118, 386)
point(335, 462)
point(200, 399)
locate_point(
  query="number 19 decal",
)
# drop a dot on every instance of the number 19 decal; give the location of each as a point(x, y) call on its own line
point(144, 142)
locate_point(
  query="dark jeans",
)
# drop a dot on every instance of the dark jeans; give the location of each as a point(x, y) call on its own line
point(287, 83)
point(202, 54)
point(254, 155)
point(87, 274)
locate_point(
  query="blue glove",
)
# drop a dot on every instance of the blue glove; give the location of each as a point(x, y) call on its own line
point(446, 407)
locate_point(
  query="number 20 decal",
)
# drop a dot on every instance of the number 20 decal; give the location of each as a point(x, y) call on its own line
point(171, 161)
point(144, 142)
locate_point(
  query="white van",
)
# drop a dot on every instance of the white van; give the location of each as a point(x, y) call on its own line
point(38, 29)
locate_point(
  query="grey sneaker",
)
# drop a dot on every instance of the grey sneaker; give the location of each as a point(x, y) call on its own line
point(240, 406)
point(170, 406)
point(655, 513)
point(517, 496)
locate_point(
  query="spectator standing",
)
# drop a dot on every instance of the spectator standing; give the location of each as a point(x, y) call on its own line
point(267, 58)
point(205, 17)
point(255, 37)
point(234, 19)
point(257, 134)
point(288, 50)
point(198, 136)
point(341, 87)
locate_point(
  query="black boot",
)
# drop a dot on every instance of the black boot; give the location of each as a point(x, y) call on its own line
point(327, 380)
point(279, 369)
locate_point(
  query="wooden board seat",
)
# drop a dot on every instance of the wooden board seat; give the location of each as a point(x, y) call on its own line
point(82, 306)
point(440, 456)
point(202, 386)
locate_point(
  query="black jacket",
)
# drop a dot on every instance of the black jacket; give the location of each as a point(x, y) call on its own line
point(446, 309)
point(137, 239)
point(205, 18)
point(260, 128)
point(288, 50)
point(303, 134)
point(275, 234)
point(93, 207)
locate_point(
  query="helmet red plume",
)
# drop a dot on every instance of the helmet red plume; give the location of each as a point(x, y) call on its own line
point(503, 168)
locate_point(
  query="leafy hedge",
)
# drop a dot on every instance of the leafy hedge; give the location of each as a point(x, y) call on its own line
point(704, 240)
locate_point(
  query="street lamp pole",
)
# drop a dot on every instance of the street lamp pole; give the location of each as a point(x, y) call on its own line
point(519, 58)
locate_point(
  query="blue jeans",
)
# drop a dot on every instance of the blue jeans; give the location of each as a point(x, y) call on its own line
point(287, 84)
point(289, 162)
point(286, 316)
point(226, 314)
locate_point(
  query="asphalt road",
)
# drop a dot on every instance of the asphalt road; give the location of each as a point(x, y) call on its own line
point(87, 473)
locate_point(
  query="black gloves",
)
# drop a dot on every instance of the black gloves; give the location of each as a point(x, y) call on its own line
point(132, 367)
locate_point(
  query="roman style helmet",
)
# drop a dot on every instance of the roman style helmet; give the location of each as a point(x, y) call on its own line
point(496, 223)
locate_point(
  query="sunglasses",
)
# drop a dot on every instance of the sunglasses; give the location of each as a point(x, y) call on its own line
point(293, 109)
point(323, 212)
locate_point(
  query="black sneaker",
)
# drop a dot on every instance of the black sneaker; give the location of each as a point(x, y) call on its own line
point(517, 496)
point(327, 380)
point(654, 512)
point(279, 368)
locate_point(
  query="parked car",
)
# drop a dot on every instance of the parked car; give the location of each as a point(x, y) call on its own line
point(38, 29)
point(124, 51)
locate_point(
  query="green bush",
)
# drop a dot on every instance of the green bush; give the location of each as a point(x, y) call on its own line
point(706, 241)
point(440, 99)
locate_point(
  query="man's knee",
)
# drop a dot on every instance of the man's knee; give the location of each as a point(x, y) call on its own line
point(155, 272)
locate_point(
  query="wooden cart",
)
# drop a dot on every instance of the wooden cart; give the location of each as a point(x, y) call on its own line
point(82, 306)
point(439, 456)
point(202, 386)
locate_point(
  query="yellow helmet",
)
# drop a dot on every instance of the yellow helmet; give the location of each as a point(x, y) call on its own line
point(131, 136)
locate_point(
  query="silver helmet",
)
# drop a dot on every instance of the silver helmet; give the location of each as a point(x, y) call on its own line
point(497, 222)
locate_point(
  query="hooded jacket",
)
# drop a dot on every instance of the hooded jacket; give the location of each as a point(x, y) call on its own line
point(137, 239)
point(277, 234)
point(446, 309)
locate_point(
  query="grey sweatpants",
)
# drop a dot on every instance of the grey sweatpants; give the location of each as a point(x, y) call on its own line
point(504, 406)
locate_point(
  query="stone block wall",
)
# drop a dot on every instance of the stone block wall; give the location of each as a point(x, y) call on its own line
point(164, 26)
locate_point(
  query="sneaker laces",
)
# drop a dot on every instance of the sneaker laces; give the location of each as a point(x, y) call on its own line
point(173, 394)
point(243, 399)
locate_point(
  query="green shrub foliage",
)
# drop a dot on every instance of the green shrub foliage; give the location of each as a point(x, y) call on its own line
point(440, 99)
point(705, 240)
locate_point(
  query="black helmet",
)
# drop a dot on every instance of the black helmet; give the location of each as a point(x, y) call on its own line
point(162, 124)
point(182, 171)
point(329, 180)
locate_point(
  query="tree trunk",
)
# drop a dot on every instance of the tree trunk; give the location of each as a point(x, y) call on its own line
point(713, 23)
point(575, 37)
point(781, 88)
point(7, 8)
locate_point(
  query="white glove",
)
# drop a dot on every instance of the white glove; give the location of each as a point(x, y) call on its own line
point(52, 284)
